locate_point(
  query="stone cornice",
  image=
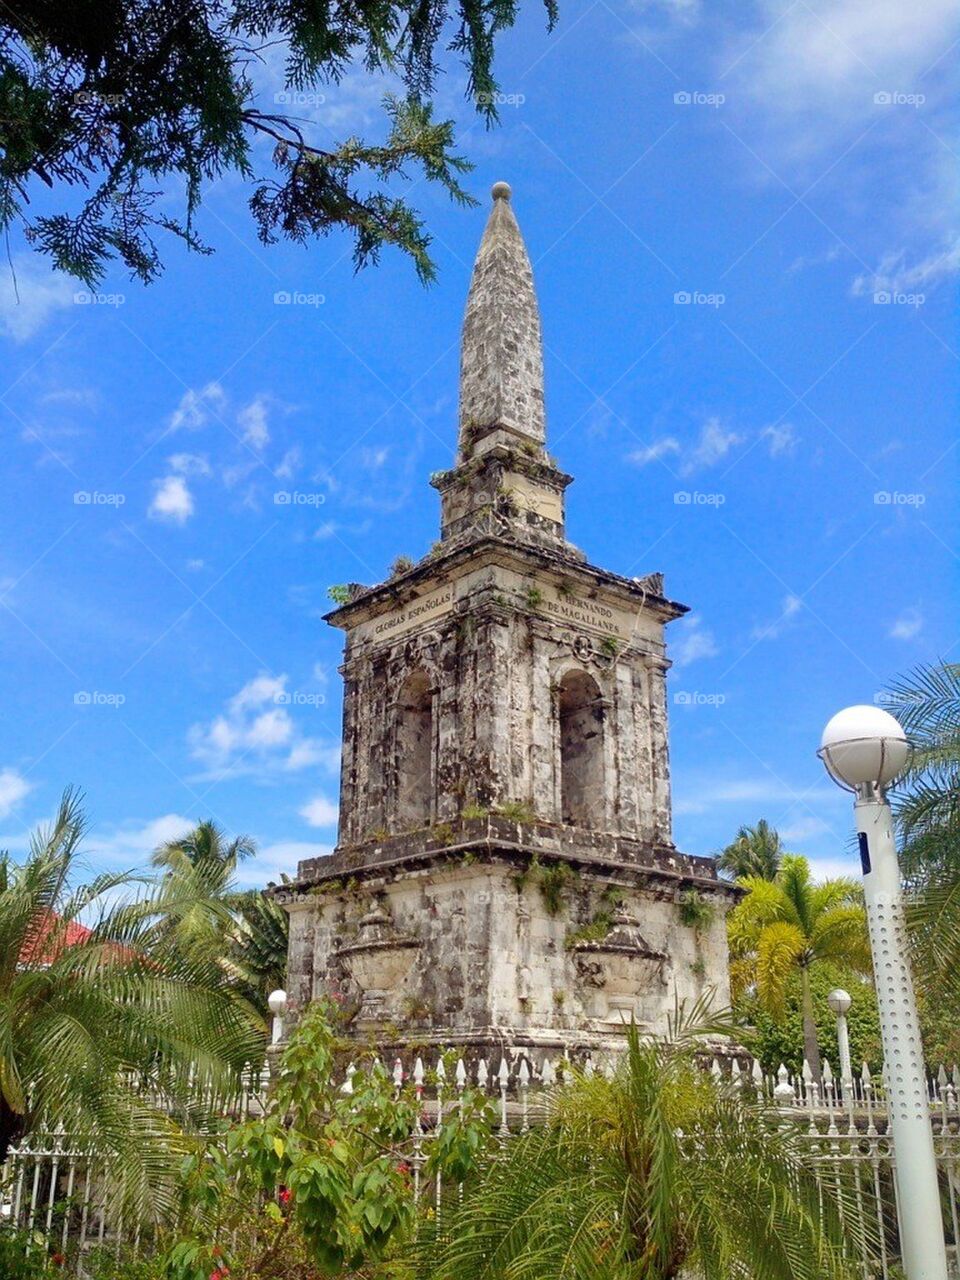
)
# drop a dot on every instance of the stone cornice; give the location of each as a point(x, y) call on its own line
point(441, 568)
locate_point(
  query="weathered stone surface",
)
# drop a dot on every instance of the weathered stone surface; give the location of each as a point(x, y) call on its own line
point(505, 861)
point(501, 358)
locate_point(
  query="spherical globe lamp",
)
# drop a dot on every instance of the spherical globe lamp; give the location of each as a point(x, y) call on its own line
point(277, 1003)
point(862, 746)
point(839, 1001)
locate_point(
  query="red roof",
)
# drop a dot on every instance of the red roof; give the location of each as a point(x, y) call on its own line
point(39, 948)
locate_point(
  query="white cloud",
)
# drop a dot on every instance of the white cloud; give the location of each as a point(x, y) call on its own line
point(713, 445)
point(894, 276)
point(273, 861)
point(696, 642)
point(807, 61)
point(189, 464)
point(37, 294)
point(132, 842)
point(907, 626)
point(13, 787)
point(326, 530)
point(755, 791)
point(788, 610)
point(256, 735)
point(172, 500)
point(195, 565)
point(310, 751)
point(252, 420)
point(803, 829)
point(654, 452)
point(374, 459)
point(288, 464)
point(320, 812)
point(259, 691)
point(781, 439)
point(75, 397)
point(195, 407)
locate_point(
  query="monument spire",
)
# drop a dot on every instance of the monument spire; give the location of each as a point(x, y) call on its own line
point(501, 356)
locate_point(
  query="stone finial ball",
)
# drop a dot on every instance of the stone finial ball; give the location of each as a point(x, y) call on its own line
point(500, 191)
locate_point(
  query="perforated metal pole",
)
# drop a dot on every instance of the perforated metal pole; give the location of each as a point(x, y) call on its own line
point(921, 1221)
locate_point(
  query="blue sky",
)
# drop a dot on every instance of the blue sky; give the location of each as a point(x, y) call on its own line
point(786, 167)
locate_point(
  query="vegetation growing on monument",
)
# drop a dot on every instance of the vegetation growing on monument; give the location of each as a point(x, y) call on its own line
point(112, 107)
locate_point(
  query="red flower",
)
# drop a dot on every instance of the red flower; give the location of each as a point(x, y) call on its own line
point(57, 1259)
point(284, 1194)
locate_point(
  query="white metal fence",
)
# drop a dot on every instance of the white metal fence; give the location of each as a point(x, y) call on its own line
point(51, 1187)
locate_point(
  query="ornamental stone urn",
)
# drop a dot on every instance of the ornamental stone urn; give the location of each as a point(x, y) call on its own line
point(378, 962)
point(621, 969)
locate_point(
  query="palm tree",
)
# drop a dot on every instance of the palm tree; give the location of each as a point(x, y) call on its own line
point(754, 851)
point(786, 926)
point(258, 947)
point(659, 1172)
point(242, 930)
point(926, 802)
point(90, 1013)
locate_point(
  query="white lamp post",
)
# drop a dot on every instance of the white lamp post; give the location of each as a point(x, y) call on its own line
point(277, 1004)
point(864, 749)
point(839, 1001)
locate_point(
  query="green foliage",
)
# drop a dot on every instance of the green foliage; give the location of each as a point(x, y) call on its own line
point(926, 804)
point(516, 811)
point(340, 593)
point(600, 922)
point(754, 851)
point(790, 926)
point(109, 1263)
point(25, 1256)
point(776, 1040)
point(694, 910)
point(595, 930)
point(553, 882)
point(332, 1169)
point(609, 647)
point(138, 998)
point(470, 811)
point(533, 597)
point(125, 103)
point(401, 565)
point(660, 1172)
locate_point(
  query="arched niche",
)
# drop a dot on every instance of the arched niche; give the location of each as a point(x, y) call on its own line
point(580, 712)
point(415, 751)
